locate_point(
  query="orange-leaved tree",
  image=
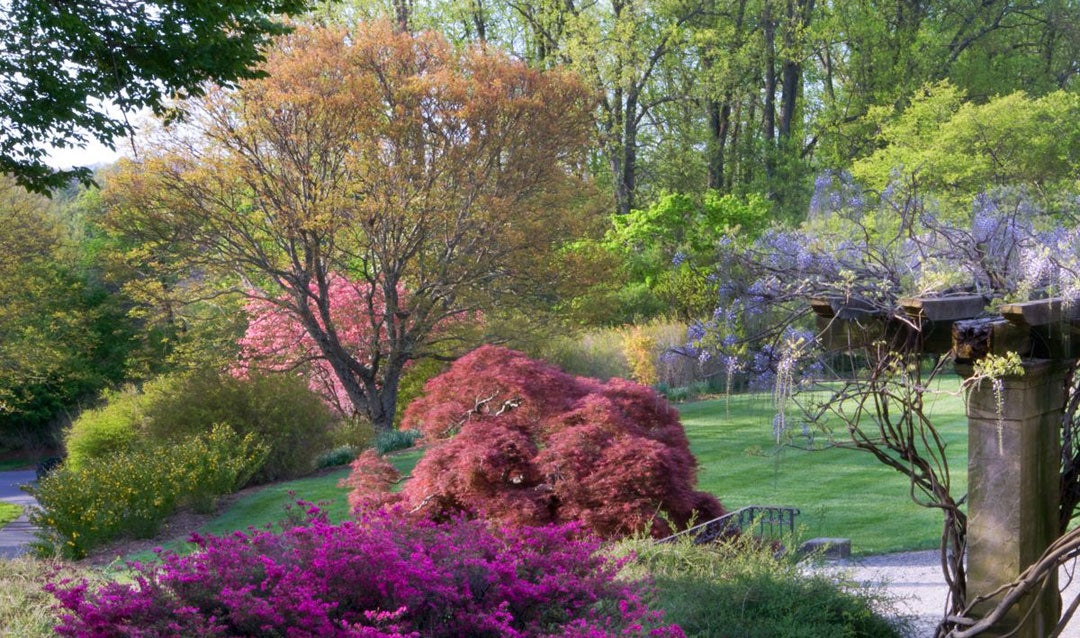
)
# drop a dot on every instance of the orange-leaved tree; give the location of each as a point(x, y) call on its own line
point(393, 160)
point(521, 442)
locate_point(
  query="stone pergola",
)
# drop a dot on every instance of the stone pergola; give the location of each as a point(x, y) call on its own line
point(1014, 453)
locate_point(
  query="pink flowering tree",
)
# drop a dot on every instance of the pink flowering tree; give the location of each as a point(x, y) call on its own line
point(277, 341)
point(520, 442)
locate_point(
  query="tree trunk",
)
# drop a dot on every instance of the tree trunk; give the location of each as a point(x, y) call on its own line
point(719, 123)
point(791, 68)
point(402, 15)
point(769, 114)
point(628, 175)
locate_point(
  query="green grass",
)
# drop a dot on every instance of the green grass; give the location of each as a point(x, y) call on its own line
point(8, 513)
point(267, 506)
point(27, 611)
point(8, 465)
point(742, 589)
point(839, 492)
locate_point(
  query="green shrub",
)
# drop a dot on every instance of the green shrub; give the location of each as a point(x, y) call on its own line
point(133, 491)
point(741, 590)
point(342, 455)
point(356, 432)
point(129, 492)
point(393, 440)
point(105, 430)
point(677, 395)
point(412, 382)
point(278, 409)
point(215, 464)
point(695, 390)
point(597, 353)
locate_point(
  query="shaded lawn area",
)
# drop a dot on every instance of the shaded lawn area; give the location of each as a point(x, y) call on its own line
point(8, 465)
point(8, 513)
point(839, 492)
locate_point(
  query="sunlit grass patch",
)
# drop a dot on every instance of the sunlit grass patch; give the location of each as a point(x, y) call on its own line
point(840, 492)
point(8, 513)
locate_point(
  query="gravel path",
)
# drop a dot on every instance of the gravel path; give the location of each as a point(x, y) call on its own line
point(915, 578)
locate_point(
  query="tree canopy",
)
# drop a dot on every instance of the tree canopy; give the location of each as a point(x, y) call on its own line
point(66, 68)
point(436, 179)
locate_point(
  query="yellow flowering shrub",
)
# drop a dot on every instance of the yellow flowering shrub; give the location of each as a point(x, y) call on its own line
point(132, 492)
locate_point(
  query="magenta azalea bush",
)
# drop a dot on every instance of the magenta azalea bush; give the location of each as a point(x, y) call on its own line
point(384, 576)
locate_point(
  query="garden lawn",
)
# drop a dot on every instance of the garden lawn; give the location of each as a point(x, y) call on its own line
point(8, 513)
point(839, 492)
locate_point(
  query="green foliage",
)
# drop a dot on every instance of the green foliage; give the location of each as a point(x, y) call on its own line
point(68, 61)
point(62, 337)
point(355, 432)
point(412, 381)
point(685, 393)
point(743, 590)
point(341, 455)
point(394, 440)
point(100, 432)
point(668, 246)
point(278, 410)
point(958, 148)
point(214, 464)
point(131, 492)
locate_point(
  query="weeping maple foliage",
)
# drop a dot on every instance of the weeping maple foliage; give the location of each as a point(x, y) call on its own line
point(521, 442)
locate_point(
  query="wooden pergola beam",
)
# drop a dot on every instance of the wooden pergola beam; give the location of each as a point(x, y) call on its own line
point(944, 308)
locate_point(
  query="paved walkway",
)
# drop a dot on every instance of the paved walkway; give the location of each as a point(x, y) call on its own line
point(15, 537)
point(915, 578)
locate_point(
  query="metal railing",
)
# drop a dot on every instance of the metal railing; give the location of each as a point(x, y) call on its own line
point(771, 521)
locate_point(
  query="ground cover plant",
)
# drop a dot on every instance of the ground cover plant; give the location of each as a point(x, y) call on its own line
point(742, 589)
point(386, 575)
point(26, 610)
point(519, 441)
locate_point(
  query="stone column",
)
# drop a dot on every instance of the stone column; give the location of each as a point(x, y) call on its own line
point(1013, 465)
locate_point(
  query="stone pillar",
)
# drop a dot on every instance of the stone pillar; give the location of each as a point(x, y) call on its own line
point(1013, 465)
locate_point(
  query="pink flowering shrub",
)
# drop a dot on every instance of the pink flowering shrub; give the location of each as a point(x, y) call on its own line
point(385, 576)
point(521, 442)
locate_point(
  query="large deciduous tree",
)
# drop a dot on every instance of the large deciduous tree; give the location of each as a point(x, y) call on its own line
point(396, 161)
point(62, 63)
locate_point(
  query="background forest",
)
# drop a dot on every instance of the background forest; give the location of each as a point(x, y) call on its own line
point(708, 122)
